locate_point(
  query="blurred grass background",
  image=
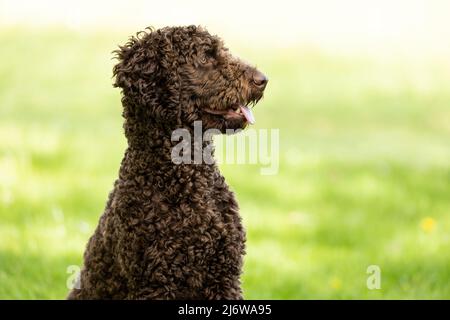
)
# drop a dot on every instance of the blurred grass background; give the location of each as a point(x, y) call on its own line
point(364, 175)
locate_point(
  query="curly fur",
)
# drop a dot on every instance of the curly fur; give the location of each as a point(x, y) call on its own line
point(171, 231)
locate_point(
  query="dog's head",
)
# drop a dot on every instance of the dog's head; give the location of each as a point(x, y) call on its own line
point(177, 75)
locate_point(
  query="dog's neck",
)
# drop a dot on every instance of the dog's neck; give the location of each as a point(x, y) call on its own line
point(150, 161)
point(151, 169)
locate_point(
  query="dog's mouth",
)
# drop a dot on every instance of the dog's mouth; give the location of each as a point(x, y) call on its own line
point(237, 111)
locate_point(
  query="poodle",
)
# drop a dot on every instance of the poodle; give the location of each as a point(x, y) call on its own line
point(172, 231)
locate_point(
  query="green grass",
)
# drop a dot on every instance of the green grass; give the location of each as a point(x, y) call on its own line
point(364, 159)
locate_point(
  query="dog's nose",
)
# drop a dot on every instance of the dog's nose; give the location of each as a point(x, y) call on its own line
point(260, 80)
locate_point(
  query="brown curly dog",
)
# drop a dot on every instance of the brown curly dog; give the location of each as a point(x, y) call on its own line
point(172, 231)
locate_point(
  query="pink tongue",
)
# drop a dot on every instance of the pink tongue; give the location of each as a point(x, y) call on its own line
point(248, 115)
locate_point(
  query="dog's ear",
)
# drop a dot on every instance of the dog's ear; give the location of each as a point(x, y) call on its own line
point(148, 76)
point(138, 65)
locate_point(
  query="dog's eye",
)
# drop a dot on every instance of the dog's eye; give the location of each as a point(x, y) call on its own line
point(203, 59)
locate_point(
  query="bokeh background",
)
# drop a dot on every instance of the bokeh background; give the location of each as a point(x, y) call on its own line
point(360, 93)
